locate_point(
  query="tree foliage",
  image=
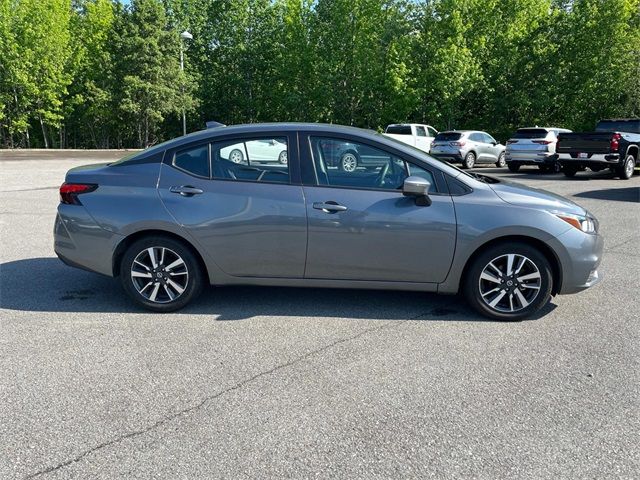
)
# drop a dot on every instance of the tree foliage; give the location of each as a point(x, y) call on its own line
point(102, 73)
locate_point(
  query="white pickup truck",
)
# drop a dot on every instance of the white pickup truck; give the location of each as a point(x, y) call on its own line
point(414, 134)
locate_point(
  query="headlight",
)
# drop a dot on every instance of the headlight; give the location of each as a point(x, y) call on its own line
point(583, 223)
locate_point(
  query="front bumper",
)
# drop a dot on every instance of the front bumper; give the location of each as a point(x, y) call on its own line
point(580, 255)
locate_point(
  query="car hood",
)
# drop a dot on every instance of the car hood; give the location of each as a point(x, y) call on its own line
point(521, 195)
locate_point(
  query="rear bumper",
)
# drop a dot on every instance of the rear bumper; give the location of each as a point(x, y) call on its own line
point(449, 157)
point(80, 242)
point(597, 158)
point(532, 158)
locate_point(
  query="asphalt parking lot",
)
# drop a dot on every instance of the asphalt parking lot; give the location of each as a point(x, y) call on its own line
point(281, 382)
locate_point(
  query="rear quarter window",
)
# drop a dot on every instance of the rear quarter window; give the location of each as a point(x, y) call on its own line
point(193, 160)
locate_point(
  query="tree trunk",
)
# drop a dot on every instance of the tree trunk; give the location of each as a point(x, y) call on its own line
point(44, 132)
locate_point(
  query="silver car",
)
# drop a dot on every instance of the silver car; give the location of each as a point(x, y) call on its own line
point(534, 146)
point(468, 147)
point(179, 216)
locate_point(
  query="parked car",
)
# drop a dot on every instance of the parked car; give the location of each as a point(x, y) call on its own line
point(613, 145)
point(257, 151)
point(534, 146)
point(178, 216)
point(468, 147)
point(414, 134)
point(348, 157)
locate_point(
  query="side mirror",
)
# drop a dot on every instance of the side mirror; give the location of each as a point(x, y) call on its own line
point(418, 188)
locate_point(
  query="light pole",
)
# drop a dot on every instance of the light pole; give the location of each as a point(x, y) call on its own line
point(183, 36)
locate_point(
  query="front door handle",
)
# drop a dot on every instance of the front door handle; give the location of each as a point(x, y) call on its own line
point(329, 207)
point(186, 190)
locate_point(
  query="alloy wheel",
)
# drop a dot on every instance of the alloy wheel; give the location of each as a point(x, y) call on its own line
point(236, 156)
point(159, 274)
point(629, 166)
point(349, 162)
point(509, 283)
point(282, 158)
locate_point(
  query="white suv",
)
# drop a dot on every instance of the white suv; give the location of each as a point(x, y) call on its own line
point(534, 146)
point(414, 134)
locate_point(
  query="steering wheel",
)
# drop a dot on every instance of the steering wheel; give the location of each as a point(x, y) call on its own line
point(383, 173)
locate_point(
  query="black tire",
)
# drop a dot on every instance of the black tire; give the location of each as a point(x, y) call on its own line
point(192, 285)
point(469, 160)
point(283, 158)
point(501, 161)
point(555, 167)
point(569, 171)
point(473, 283)
point(513, 167)
point(625, 171)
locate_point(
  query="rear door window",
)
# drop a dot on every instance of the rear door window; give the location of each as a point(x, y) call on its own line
point(420, 132)
point(264, 160)
point(631, 126)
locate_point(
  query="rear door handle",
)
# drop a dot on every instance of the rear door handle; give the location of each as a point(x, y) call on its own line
point(329, 207)
point(186, 190)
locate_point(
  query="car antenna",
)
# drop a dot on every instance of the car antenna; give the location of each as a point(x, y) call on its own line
point(213, 124)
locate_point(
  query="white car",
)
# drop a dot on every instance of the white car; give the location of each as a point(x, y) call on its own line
point(256, 151)
point(414, 134)
point(534, 146)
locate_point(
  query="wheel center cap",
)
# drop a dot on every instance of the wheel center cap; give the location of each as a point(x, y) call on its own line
point(159, 274)
point(509, 283)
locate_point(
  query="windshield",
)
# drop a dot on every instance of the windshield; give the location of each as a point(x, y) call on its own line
point(399, 129)
point(631, 126)
point(448, 136)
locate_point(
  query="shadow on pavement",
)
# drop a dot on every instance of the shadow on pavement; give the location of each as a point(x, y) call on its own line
point(630, 194)
point(47, 285)
point(533, 173)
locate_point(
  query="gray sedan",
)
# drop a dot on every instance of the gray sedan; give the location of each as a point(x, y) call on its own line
point(180, 215)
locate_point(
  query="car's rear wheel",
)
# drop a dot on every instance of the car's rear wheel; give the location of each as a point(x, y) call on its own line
point(501, 161)
point(625, 171)
point(469, 160)
point(509, 281)
point(160, 273)
point(236, 156)
point(513, 167)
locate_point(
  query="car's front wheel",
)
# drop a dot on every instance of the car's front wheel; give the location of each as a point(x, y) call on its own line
point(509, 281)
point(282, 158)
point(513, 167)
point(160, 273)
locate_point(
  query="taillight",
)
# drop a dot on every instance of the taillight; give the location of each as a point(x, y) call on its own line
point(615, 142)
point(509, 142)
point(457, 144)
point(69, 192)
point(542, 142)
